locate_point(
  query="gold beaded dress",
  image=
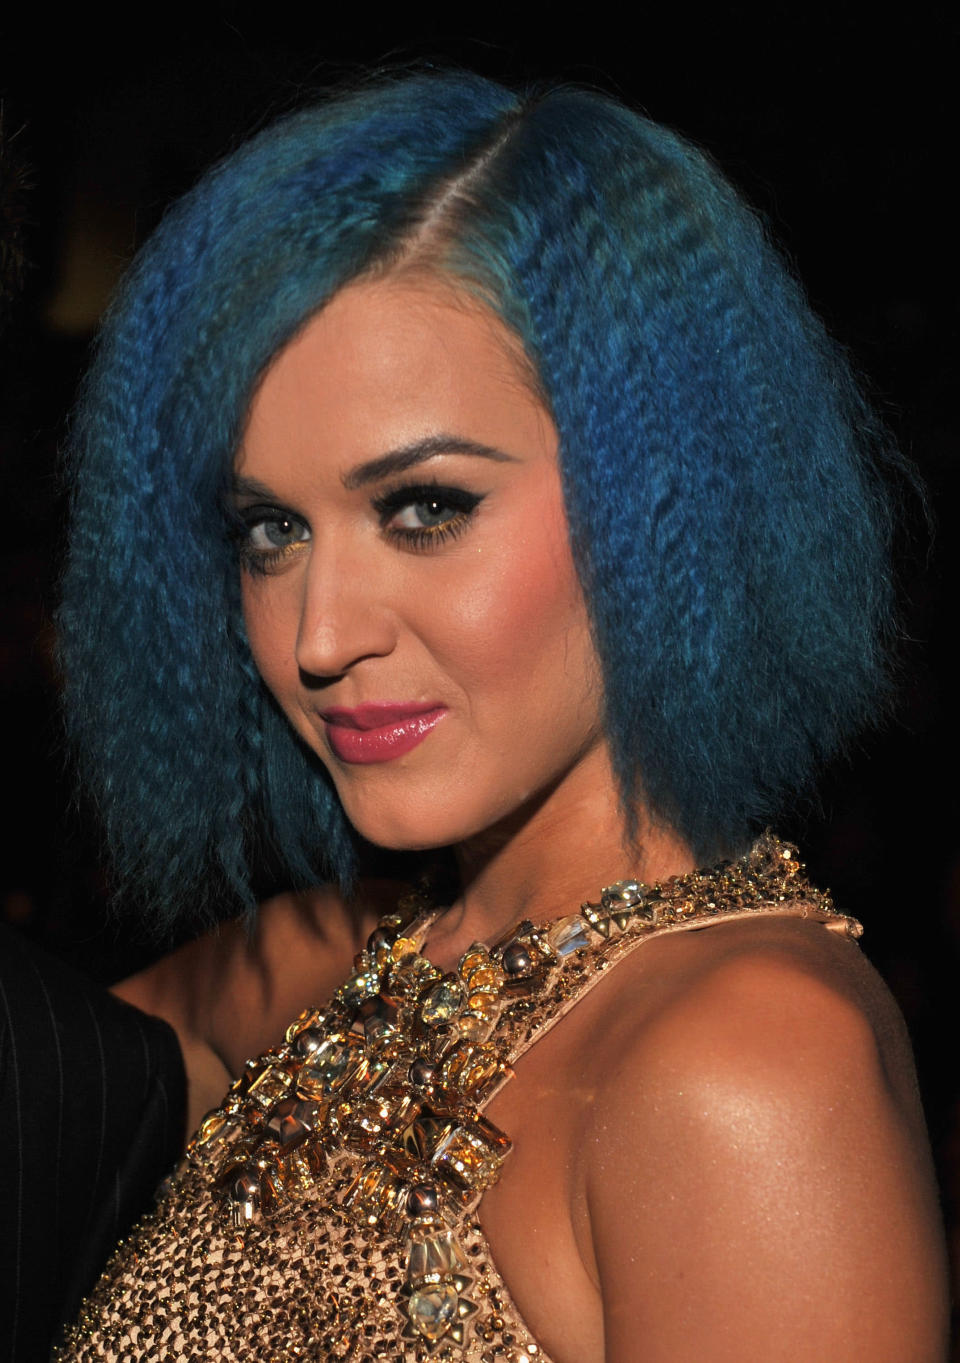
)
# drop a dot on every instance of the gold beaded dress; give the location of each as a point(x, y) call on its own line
point(327, 1209)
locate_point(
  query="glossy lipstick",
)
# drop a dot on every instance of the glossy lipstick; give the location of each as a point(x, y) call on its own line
point(378, 733)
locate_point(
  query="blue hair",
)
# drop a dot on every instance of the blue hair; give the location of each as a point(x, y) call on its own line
point(726, 516)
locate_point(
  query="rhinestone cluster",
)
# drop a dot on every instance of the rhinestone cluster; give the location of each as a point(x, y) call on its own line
point(395, 1069)
point(387, 1084)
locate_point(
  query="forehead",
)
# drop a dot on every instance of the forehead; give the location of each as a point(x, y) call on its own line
point(392, 360)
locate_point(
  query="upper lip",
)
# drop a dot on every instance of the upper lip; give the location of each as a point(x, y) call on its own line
point(376, 715)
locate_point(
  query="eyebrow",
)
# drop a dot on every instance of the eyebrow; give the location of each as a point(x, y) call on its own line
point(418, 452)
point(393, 462)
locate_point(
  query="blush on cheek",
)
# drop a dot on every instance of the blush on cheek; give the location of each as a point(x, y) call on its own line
point(515, 619)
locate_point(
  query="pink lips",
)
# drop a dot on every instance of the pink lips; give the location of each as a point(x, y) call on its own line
point(378, 733)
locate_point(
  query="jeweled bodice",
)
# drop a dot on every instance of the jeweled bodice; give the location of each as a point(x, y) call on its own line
point(327, 1209)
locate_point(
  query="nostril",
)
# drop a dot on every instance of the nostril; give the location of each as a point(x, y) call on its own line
point(311, 682)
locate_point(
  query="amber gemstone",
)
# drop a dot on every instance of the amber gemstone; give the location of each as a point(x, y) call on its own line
point(474, 959)
point(472, 1027)
point(471, 1156)
point(468, 1066)
point(218, 1132)
point(292, 1121)
point(244, 1195)
point(245, 1186)
point(421, 1136)
point(374, 1192)
point(486, 977)
point(290, 1176)
point(483, 1004)
point(379, 938)
point(376, 1115)
point(330, 1066)
point(310, 1017)
point(371, 1073)
point(271, 1084)
point(402, 948)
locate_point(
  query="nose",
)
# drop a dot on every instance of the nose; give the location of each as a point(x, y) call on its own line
point(344, 617)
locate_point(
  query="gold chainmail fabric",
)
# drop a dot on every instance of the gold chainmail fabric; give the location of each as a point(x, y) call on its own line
point(327, 1210)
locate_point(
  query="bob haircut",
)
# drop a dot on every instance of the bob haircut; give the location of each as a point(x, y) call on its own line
point(726, 519)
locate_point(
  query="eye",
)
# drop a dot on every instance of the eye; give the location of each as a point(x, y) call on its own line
point(268, 535)
point(427, 515)
point(423, 517)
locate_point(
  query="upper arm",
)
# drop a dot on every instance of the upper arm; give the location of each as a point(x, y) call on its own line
point(231, 993)
point(763, 1189)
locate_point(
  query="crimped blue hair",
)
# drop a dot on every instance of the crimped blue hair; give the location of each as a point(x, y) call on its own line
point(728, 525)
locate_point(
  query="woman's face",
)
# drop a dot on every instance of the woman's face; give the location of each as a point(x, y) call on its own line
point(408, 588)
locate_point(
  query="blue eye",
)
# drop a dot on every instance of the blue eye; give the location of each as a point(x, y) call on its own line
point(276, 532)
point(269, 535)
point(429, 515)
point(425, 516)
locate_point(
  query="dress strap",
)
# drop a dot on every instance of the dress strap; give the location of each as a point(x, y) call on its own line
point(550, 968)
point(596, 963)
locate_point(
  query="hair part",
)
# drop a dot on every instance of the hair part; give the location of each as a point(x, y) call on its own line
point(726, 515)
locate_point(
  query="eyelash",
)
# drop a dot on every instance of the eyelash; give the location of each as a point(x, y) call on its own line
point(388, 504)
point(425, 537)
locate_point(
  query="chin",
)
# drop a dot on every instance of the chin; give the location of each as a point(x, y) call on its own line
point(418, 820)
point(404, 830)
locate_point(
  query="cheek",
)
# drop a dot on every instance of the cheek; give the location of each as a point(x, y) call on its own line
point(521, 621)
point(271, 629)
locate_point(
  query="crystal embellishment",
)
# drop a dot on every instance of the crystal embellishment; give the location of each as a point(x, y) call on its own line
point(443, 1002)
point(433, 1309)
point(435, 1254)
point(330, 1066)
point(376, 1103)
point(569, 935)
point(623, 894)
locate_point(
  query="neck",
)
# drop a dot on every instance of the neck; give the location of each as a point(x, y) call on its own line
point(547, 858)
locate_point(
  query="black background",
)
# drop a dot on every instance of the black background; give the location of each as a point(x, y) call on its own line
point(839, 126)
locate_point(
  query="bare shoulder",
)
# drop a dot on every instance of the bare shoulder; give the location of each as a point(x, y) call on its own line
point(774, 1005)
point(759, 1117)
point(231, 993)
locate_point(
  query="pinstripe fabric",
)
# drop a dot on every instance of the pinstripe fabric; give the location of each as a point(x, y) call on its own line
point(92, 1096)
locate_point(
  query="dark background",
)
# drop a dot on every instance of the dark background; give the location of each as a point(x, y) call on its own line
point(840, 127)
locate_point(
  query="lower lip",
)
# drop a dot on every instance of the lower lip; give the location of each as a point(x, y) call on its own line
point(364, 746)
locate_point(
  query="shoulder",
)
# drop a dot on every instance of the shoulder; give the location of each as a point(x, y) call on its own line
point(774, 1002)
point(231, 993)
point(760, 1119)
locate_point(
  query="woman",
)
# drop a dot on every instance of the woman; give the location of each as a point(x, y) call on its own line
point(465, 472)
